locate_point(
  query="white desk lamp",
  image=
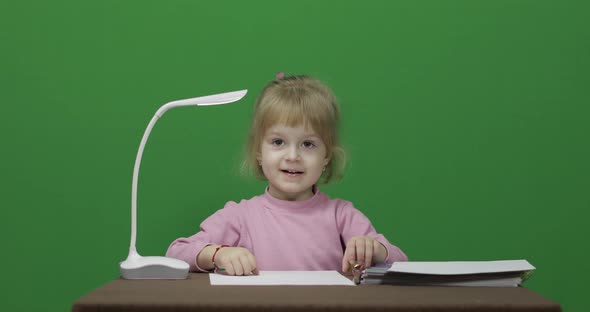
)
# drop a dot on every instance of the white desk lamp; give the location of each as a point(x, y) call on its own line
point(136, 266)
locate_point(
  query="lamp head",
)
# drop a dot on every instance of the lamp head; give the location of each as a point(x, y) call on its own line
point(216, 99)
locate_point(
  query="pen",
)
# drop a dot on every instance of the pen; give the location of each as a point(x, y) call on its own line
point(357, 271)
point(220, 270)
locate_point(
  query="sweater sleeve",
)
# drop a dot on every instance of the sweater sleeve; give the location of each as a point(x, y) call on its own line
point(222, 227)
point(352, 223)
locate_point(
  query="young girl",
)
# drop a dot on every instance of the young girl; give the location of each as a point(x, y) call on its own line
point(293, 142)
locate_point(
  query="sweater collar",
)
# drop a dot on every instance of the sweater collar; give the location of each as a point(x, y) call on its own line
point(296, 205)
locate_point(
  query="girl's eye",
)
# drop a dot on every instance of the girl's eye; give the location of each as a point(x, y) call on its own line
point(308, 144)
point(277, 142)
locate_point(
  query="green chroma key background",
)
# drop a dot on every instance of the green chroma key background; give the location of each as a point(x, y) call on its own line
point(466, 124)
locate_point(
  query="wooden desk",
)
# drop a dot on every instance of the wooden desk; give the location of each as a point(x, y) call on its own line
point(196, 294)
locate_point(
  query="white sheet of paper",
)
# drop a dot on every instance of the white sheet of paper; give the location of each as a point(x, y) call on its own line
point(283, 278)
point(461, 267)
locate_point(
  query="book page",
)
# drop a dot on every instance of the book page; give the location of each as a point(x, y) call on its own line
point(283, 278)
point(460, 267)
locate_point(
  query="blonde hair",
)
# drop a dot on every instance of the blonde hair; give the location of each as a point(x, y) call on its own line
point(293, 101)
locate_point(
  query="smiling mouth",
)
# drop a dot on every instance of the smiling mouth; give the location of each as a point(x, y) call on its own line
point(292, 172)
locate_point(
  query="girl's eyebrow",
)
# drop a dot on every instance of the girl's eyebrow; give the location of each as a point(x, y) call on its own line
point(275, 133)
point(311, 135)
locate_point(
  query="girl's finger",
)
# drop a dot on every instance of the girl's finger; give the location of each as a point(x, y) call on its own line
point(349, 255)
point(252, 262)
point(247, 267)
point(368, 252)
point(238, 269)
point(229, 268)
point(360, 250)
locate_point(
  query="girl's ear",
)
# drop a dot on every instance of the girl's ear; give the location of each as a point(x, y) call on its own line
point(326, 161)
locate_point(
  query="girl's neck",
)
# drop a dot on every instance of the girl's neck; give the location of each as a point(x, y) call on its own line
point(303, 196)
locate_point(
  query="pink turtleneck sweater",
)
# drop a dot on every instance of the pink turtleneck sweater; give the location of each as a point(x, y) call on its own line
point(284, 235)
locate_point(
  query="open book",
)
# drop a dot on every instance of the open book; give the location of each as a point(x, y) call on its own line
point(503, 273)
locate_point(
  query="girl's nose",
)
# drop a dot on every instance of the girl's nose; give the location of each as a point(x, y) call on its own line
point(293, 153)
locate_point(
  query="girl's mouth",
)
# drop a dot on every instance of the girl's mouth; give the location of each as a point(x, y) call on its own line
point(292, 172)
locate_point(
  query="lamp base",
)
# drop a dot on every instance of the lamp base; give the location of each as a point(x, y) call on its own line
point(138, 267)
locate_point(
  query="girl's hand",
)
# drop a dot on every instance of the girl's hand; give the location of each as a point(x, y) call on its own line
point(236, 261)
point(362, 249)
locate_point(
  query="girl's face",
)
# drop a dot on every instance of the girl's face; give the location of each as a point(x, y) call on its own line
point(292, 160)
